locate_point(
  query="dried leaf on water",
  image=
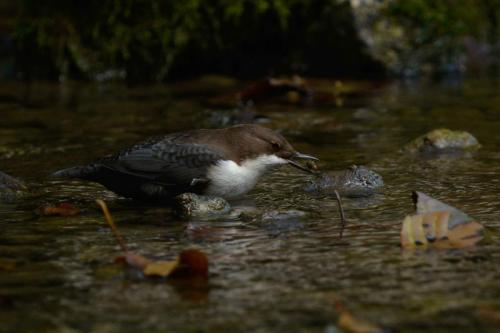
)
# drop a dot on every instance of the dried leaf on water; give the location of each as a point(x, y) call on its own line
point(190, 263)
point(439, 225)
point(62, 209)
point(273, 86)
point(488, 313)
point(7, 264)
point(349, 323)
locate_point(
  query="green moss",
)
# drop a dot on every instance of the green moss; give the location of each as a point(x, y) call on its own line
point(443, 139)
point(152, 40)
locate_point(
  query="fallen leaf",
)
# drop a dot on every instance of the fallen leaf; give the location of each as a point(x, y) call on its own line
point(62, 209)
point(438, 225)
point(274, 87)
point(349, 323)
point(7, 264)
point(160, 268)
point(488, 313)
point(190, 263)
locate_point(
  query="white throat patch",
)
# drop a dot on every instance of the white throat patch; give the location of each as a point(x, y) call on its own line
point(230, 180)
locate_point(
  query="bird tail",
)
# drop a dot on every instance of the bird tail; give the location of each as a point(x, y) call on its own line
point(82, 172)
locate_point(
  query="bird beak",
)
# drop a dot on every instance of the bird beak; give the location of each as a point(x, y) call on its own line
point(300, 166)
point(305, 157)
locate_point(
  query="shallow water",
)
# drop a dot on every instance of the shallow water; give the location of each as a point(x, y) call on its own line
point(57, 274)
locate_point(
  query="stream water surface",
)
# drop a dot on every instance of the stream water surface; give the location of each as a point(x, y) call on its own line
point(57, 274)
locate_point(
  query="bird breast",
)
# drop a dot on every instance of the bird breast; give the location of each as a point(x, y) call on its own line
point(231, 180)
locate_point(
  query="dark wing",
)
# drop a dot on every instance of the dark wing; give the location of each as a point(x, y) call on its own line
point(165, 161)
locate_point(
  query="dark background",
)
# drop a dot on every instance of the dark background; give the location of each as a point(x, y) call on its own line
point(158, 40)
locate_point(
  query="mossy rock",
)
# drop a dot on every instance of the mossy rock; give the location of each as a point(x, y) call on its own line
point(442, 140)
point(11, 188)
point(356, 181)
point(189, 205)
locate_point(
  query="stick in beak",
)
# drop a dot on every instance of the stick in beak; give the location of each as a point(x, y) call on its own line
point(304, 157)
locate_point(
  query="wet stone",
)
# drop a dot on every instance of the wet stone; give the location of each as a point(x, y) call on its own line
point(277, 222)
point(356, 181)
point(188, 205)
point(443, 140)
point(241, 115)
point(10, 188)
point(279, 215)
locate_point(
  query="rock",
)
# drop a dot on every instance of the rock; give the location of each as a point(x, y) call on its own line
point(277, 222)
point(280, 215)
point(243, 115)
point(443, 140)
point(10, 188)
point(356, 181)
point(408, 39)
point(190, 205)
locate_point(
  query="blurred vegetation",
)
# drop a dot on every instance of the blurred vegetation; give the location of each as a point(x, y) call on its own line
point(157, 40)
point(145, 40)
point(448, 33)
point(451, 18)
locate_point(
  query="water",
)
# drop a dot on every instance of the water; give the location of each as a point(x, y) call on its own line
point(58, 274)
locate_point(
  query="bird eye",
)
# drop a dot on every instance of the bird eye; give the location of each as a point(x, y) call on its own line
point(276, 145)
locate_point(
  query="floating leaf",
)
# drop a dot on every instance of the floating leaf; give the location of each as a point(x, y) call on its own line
point(62, 209)
point(488, 313)
point(349, 323)
point(191, 263)
point(274, 87)
point(160, 268)
point(439, 225)
point(7, 264)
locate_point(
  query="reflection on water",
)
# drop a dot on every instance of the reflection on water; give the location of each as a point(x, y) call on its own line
point(59, 275)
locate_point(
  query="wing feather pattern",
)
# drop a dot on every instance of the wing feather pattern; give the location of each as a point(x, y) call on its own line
point(165, 161)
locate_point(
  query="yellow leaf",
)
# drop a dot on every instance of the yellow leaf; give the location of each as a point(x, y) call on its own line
point(161, 268)
point(433, 230)
point(351, 324)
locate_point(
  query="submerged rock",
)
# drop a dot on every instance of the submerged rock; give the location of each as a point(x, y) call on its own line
point(408, 39)
point(443, 140)
point(242, 115)
point(10, 187)
point(189, 205)
point(280, 215)
point(277, 222)
point(356, 181)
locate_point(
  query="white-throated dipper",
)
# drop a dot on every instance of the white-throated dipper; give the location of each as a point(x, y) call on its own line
point(224, 162)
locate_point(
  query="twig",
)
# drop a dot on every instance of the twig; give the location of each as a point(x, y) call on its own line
point(112, 225)
point(342, 215)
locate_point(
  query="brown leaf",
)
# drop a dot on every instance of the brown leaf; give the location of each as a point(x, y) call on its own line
point(439, 225)
point(7, 264)
point(349, 323)
point(190, 263)
point(488, 313)
point(274, 87)
point(62, 209)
